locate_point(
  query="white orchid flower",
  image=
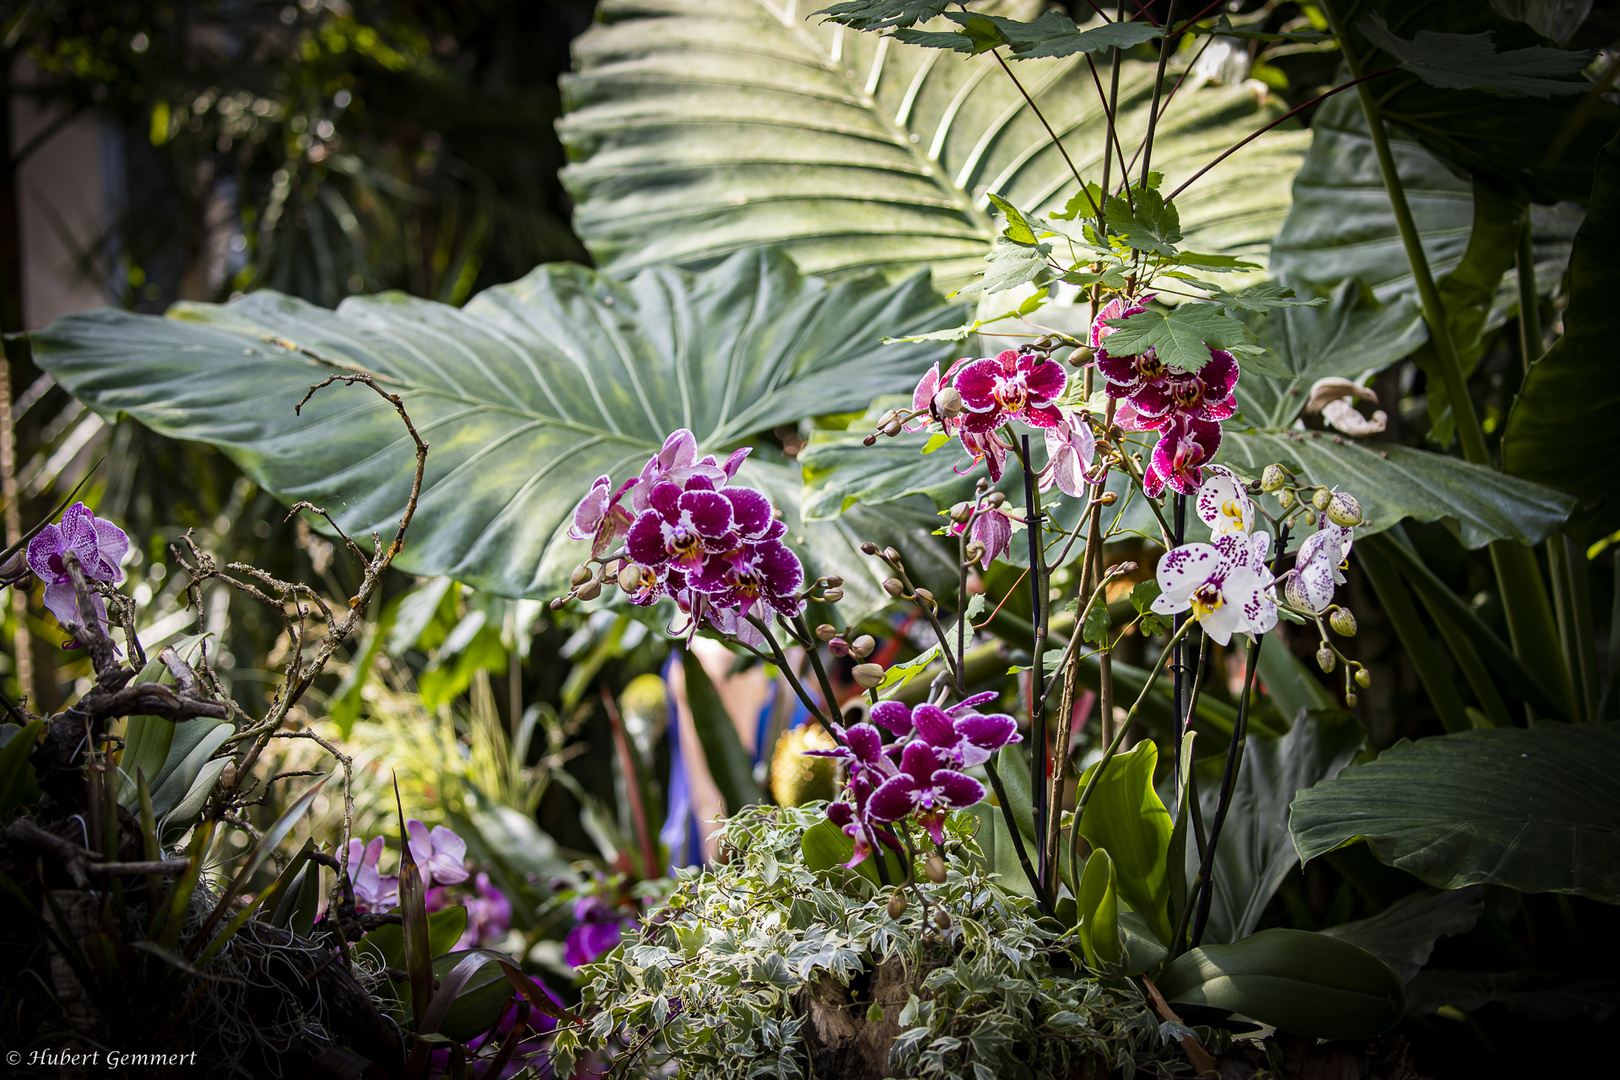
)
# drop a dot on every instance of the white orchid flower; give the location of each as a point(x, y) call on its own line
point(1227, 588)
point(1223, 502)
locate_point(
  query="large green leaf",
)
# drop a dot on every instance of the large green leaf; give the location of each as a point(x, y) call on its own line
point(1561, 430)
point(1394, 482)
point(1341, 224)
point(1347, 337)
point(1306, 983)
point(1535, 809)
point(1126, 817)
point(527, 394)
point(1256, 851)
point(1535, 149)
point(698, 127)
point(1403, 934)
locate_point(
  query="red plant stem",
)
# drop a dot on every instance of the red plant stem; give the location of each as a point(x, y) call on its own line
point(1291, 112)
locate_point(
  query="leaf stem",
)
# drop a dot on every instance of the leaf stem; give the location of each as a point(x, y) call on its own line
point(1203, 885)
point(1039, 751)
point(1165, 48)
point(1055, 140)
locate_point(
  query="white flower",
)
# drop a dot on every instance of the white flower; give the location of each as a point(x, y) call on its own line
point(1223, 502)
point(1226, 587)
point(1318, 567)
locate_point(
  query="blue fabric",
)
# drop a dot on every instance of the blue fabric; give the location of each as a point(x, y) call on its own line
point(679, 835)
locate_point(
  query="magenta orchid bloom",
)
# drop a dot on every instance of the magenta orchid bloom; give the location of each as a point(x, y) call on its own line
point(100, 546)
point(600, 519)
point(861, 750)
point(439, 854)
point(676, 463)
point(489, 915)
point(1205, 394)
point(597, 930)
point(1184, 447)
point(682, 527)
point(1011, 385)
point(372, 891)
point(926, 788)
point(992, 527)
point(961, 737)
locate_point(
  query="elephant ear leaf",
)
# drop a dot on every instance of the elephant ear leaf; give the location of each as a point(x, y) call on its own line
point(526, 396)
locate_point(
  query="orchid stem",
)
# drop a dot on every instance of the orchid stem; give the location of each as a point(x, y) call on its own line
point(1234, 756)
point(815, 664)
point(787, 673)
point(1039, 752)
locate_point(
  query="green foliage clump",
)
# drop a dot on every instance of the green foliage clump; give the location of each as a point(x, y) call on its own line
point(726, 981)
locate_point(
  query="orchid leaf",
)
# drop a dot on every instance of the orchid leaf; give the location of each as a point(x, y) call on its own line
point(695, 128)
point(527, 394)
point(1309, 984)
point(1125, 816)
point(1533, 809)
point(1403, 934)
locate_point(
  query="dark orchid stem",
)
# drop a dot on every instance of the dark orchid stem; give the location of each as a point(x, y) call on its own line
point(1203, 887)
point(814, 652)
point(1178, 719)
point(1166, 45)
point(1039, 751)
point(1234, 753)
point(961, 608)
point(880, 853)
point(787, 673)
point(1017, 838)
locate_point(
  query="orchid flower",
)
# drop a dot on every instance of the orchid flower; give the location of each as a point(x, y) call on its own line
point(597, 929)
point(1226, 591)
point(1184, 448)
point(100, 546)
point(439, 854)
point(682, 527)
point(925, 787)
point(1318, 567)
point(992, 528)
point(1011, 385)
point(372, 891)
point(1223, 503)
point(599, 518)
point(1070, 447)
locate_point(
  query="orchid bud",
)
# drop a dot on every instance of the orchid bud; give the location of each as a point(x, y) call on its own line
point(962, 513)
point(868, 548)
point(936, 868)
point(897, 904)
point(995, 498)
point(892, 428)
point(1321, 499)
point(942, 919)
point(557, 603)
point(1343, 509)
point(826, 631)
point(975, 552)
point(630, 577)
point(1350, 698)
point(862, 646)
point(582, 573)
point(893, 587)
point(833, 580)
point(887, 418)
point(590, 590)
point(867, 676)
point(891, 554)
point(870, 440)
point(832, 596)
point(15, 569)
point(1325, 659)
point(1082, 356)
point(838, 647)
point(927, 598)
point(948, 403)
point(1107, 498)
point(1285, 498)
point(1310, 517)
point(1273, 478)
point(1363, 677)
point(1343, 622)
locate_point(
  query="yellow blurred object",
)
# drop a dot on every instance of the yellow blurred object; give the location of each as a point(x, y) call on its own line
point(797, 779)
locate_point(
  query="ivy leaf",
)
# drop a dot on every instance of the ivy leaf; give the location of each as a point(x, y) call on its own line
point(1182, 336)
point(1471, 62)
point(1142, 598)
point(883, 14)
point(1052, 36)
point(1095, 628)
point(1266, 296)
point(1018, 228)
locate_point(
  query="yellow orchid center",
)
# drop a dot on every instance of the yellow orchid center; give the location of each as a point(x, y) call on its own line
point(1207, 600)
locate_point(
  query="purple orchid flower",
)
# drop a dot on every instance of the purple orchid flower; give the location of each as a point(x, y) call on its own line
point(992, 527)
point(439, 854)
point(1011, 385)
point(682, 527)
point(599, 518)
point(372, 891)
point(100, 546)
point(924, 787)
point(597, 929)
point(854, 817)
point(965, 739)
point(861, 750)
point(677, 463)
point(1184, 447)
